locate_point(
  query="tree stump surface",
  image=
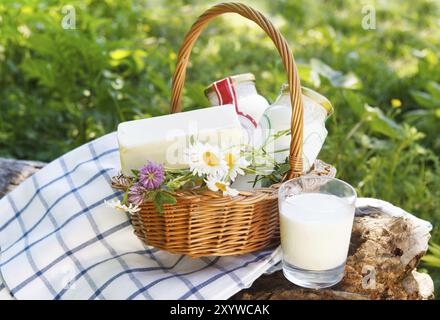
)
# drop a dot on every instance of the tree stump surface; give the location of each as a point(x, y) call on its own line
point(13, 172)
point(384, 252)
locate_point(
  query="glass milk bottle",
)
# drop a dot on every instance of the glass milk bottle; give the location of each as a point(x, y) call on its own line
point(278, 116)
point(240, 91)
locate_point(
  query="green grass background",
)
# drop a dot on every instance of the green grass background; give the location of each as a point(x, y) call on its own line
point(61, 88)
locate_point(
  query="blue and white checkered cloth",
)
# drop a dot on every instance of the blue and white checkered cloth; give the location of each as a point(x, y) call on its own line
point(59, 241)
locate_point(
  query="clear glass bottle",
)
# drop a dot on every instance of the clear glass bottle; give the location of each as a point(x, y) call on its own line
point(278, 116)
point(240, 91)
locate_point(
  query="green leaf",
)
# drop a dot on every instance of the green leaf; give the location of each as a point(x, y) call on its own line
point(307, 74)
point(161, 198)
point(423, 99)
point(158, 206)
point(435, 249)
point(135, 173)
point(156, 198)
point(434, 89)
point(43, 44)
point(125, 197)
point(167, 198)
point(356, 102)
point(431, 260)
point(347, 81)
point(373, 143)
point(337, 78)
point(323, 69)
point(40, 70)
point(283, 168)
point(379, 122)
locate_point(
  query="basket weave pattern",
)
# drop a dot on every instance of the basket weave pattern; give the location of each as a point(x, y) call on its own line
point(210, 224)
point(205, 223)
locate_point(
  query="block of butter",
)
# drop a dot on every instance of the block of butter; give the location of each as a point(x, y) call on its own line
point(164, 139)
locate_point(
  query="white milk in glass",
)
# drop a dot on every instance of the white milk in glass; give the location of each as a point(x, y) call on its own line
point(315, 230)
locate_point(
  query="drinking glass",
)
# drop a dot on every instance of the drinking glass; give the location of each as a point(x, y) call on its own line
point(316, 218)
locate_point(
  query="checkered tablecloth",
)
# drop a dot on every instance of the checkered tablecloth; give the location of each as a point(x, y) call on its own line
point(59, 241)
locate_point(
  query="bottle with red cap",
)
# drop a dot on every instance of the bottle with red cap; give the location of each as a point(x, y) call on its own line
point(240, 91)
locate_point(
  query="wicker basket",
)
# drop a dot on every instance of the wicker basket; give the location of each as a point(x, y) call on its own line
point(205, 223)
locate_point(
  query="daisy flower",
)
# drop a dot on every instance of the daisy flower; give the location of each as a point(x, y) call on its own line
point(215, 183)
point(205, 159)
point(116, 204)
point(235, 163)
point(151, 175)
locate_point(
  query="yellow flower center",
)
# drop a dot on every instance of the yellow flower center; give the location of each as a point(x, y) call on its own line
point(210, 159)
point(230, 159)
point(221, 186)
point(119, 208)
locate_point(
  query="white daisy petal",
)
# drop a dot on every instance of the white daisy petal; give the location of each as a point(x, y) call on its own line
point(117, 205)
point(231, 192)
point(215, 183)
point(235, 163)
point(211, 183)
point(205, 159)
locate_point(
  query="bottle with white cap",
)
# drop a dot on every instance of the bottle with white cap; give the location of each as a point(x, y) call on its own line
point(277, 118)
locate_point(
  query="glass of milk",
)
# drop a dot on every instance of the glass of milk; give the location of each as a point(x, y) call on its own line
point(316, 218)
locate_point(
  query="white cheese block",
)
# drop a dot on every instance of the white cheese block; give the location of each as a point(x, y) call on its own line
point(164, 139)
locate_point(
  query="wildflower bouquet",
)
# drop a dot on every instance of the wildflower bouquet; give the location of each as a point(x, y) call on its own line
point(209, 168)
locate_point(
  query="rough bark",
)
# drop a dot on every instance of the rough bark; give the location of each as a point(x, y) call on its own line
point(12, 172)
point(383, 256)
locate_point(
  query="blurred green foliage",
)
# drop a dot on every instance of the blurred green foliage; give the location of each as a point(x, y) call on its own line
point(61, 88)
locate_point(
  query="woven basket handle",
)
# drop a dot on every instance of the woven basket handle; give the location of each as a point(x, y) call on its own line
point(295, 158)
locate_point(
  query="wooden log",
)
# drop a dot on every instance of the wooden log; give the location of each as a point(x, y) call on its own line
point(12, 172)
point(384, 252)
